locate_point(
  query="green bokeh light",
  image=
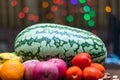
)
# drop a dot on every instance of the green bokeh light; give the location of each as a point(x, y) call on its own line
point(86, 17)
point(86, 8)
point(70, 18)
point(82, 1)
point(92, 13)
point(91, 23)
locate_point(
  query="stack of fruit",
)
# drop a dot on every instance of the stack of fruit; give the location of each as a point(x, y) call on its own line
point(82, 68)
point(46, 49)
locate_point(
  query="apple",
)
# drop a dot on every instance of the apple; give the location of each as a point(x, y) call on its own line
point(61, 65)
point(29, 66)
point(45, 71)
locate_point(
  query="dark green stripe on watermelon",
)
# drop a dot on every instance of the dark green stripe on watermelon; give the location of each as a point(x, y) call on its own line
point(43, 41)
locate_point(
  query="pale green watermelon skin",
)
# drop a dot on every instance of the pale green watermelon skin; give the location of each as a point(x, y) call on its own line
point(46, 40)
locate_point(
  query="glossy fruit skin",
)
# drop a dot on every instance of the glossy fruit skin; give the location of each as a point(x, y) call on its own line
point(8, 56)
point(46, 40)
point(61, 65)
point(81, 61)
point(98, 66)
point(91, 73)
point(28, 67)
point(12, 70)
point(74, 73)
point(85, 54)
point(45, 71)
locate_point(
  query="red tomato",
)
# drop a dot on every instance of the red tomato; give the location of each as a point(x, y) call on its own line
point(81, 60)
point(98, 66)
point(74, 73)
point(85, 53)
point(91, 73)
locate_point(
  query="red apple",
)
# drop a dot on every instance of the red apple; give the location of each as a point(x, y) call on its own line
point(29, 66)
point(45, 71)
point(81, 60)
point(61, 65)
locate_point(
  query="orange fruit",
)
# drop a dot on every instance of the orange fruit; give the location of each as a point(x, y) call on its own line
point(12, 70)
point(81, 60)
point(98, 66)
point(91, 73)
point(74, 73)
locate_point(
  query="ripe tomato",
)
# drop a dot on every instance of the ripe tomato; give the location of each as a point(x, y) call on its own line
point(91, 73)
point(81, 60)
point(74, 73)
point(98, 66)
point(85, 53)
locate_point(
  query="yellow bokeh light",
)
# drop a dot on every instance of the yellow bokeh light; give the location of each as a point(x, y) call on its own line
point(108, 9)
point(45, 4)
point(49, 16)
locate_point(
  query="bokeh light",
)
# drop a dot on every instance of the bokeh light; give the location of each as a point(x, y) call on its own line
point(35, 18)
point(92, 13)
point(108, 9)
point(86, 17)
point(30, 17)
point(70, 18)
point(90, 2)
point(82, 1)
point(74, 2)
point(45, 4)
point(54, 8)
point(58, 2)
point(81, 10)
point(91, 23)
point(21, 15)
point(86, 8)
point(49, 16)
point(13, 3)
point(25, 9)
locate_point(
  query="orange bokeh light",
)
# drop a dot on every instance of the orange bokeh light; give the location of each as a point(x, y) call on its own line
point(108, 9)
point(45, 4)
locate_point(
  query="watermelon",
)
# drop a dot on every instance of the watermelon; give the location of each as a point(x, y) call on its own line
point(47, 40)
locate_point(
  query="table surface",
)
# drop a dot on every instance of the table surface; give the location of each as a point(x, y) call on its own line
point(113, 69)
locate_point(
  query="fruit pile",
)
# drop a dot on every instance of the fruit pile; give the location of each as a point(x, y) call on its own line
point(82, 68)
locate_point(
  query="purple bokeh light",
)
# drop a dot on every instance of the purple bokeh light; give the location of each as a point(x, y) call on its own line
point(74, 2)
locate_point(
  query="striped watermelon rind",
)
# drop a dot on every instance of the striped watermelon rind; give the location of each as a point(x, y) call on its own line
point(46, 40)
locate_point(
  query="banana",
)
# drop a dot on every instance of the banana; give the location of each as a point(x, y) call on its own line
point(8, 56)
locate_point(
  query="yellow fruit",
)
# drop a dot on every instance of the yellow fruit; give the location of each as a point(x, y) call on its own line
point(8, 56)
point(12, 70)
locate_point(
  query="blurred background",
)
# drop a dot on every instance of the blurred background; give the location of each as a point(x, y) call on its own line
point(101, 17)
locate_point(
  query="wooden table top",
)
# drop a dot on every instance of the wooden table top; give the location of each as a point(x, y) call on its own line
point(113, 69)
